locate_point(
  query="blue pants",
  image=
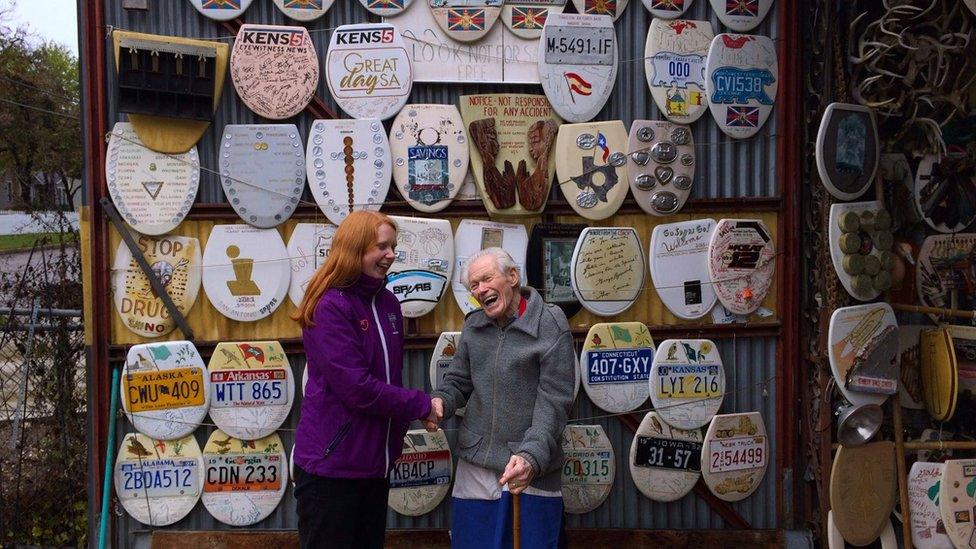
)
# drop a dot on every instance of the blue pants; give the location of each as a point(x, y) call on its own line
point(487, 524)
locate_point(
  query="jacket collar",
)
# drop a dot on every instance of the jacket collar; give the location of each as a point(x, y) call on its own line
point(366, 285)
point(528, 322)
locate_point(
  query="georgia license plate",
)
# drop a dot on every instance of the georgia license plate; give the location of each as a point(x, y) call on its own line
point(243, 473)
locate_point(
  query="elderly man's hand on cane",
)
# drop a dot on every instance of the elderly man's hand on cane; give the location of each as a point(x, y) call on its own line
point(518, 474)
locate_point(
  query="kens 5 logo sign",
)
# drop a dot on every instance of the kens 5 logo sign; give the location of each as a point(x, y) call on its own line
point(273, 38)
point(375, 36)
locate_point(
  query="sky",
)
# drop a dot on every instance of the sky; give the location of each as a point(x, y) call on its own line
point(54, 20)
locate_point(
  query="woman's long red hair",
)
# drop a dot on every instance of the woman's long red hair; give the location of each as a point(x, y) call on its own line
point(355, 235)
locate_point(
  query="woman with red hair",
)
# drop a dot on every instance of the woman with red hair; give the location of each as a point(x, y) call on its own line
point(355, 412)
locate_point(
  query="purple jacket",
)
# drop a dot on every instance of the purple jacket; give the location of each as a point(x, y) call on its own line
point(355, 411)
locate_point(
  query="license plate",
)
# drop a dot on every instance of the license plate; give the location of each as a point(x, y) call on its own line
point(683, 455)
point(243, 473)
point(688, 381)
point(579, 45)
point(158, 478)
point(618, 365)
point(245, 388)
point(164, 389)
point(421, 469)
point(587, 467)
point(737, 454)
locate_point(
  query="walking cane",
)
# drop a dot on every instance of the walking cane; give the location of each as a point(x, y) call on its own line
point(516, 522)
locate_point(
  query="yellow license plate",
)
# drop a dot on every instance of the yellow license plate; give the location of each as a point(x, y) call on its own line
point(164, 389)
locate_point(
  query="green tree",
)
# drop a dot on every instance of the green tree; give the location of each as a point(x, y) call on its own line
point(40, 129)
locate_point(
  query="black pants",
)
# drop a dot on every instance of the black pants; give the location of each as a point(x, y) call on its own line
point(340, 513)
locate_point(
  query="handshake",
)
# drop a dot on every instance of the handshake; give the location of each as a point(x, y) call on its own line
point(436, 414)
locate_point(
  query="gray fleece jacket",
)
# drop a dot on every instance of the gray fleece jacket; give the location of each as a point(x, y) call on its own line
point(516, 383)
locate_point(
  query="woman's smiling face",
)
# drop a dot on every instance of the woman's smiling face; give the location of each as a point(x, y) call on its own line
point(379, 257)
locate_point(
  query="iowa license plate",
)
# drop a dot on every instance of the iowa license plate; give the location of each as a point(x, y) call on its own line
point(684, 455)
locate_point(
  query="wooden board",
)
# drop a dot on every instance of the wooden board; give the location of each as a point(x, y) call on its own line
point(423, 264)
point(512, 137)
point(940, 374)
point(865, 336)
point(957, 504)
point(211, 326)
point(590, 467)
point(735, 455)
point(304, 10)
point(549, 263)
point(928, 530)
point(158, 482)
point(165, 134)
point(429, 147)
point(246, 271)
point(945, 194)
point(578, 64)
point(525, 18)
point(368, 71)
point(421, 476)
point(660, 166)
point(741, 16)
point(847, 149)
point(665, 463)
point(176, 262)
point(679, 267)
point(614, 365)
point(607, 270)
point(466, 20)
point(741, 263)
point(349, 165)
point(152, 191)
point(863, 490)
point(687, 382)
point(473, 235)
point(262, 171)
point(308, 248)
point(741, 82)
point(165, 390)
point(252, 388)
point(244, 480)
point(221, 10)
point(590, 161)
point(674, 64)
point(275, 69)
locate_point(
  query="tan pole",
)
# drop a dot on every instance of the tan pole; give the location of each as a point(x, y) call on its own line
point(906, 518)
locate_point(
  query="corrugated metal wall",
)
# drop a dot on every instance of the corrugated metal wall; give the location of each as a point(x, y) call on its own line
point(726, 169)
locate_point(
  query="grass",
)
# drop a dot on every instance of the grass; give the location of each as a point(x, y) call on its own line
point(13, 242)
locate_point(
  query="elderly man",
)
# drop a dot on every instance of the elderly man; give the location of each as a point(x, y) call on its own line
point(513, 371)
